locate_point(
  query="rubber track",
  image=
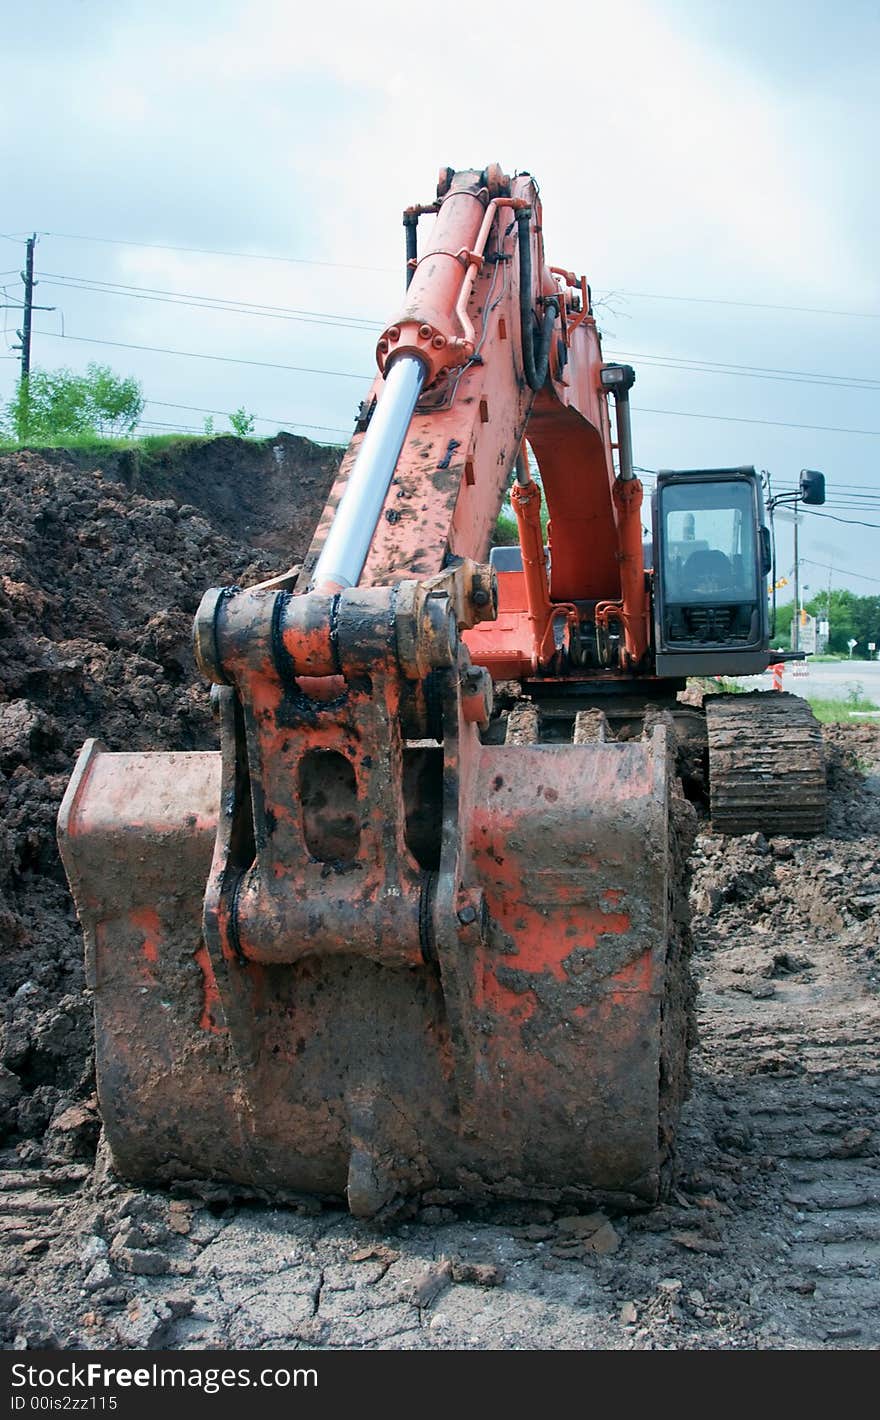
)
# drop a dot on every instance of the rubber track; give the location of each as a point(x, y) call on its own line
point(766, 764)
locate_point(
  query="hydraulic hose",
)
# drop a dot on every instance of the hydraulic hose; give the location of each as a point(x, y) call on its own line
point(411, 222)
point(535, 363)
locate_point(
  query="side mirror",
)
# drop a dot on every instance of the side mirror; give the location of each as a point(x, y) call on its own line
point(766, 554)
point(812, 487)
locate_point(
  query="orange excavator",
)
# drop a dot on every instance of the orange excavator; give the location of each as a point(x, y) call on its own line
point(417, 927)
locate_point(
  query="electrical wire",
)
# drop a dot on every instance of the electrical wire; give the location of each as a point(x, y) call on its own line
point(854, 522)
point(209, 251)
point(192, 429)
point(196, 301)
point(753, 372)
point(201, 355)
point(826, 567)
point(210, 303)
point(350, 266)
point(348, 375)
point(261, 418)
point(749, 305)
point(740, 419)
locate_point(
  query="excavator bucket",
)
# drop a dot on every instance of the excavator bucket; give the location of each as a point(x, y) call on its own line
point(360, 951)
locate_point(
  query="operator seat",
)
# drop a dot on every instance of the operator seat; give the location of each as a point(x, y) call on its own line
point(707, 570)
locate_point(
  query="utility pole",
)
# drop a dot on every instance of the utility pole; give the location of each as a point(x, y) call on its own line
point(828, 612)
point(24, 334)
point(810, 490)
point(796, 644)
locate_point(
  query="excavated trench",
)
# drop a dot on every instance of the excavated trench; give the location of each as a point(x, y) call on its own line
point(772, 1234)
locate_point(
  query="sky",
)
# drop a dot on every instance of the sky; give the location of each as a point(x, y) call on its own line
point(711, 169)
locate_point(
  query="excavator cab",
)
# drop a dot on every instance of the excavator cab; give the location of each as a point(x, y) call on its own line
point(711, 560)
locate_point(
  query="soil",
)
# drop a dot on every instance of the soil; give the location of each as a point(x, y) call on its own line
point(771, 1238)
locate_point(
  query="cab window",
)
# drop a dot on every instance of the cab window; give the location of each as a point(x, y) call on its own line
point(708, 541)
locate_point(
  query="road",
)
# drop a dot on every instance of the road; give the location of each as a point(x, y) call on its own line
point(832, 680)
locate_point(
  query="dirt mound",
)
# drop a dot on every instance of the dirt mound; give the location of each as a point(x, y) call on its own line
point(99, 581)
point(788, 888)
point(264, 493)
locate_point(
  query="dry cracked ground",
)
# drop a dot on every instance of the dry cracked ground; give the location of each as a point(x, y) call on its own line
point(771, 1238)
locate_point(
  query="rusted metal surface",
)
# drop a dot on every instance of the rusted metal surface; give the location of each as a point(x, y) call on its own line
point(505, 1037)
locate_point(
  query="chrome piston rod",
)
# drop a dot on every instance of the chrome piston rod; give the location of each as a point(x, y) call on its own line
point(348, 542)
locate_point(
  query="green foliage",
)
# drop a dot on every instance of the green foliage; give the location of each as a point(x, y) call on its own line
point(715, 685)
point(851, 618)
point(52, 405)
point(784, 614)
point(242, 423)
point(209, 426)
point(506, 532)
point(832, 712)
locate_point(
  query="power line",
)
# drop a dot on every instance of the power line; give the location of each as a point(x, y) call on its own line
point(163, 424)
point(192, 429)
point(755, 372)
point(332, 317)
point(854, 522)
point(856, 487)
point(212, 303)
point(740, 419)
point(209, 251)
point(263, 418)
point(348, 375)
point(751, 305)
point(826, 567)
point(350, 266)
point(339, 321)
point(200, 355)
point(857, 498)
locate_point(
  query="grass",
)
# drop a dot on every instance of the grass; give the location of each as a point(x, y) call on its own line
point(854, 706)
point(145, 444)
point(716, 685)
point(91, 444)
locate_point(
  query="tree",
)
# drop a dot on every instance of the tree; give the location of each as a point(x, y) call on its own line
point(57, 404)
point(784, 614)
point(242, 423)
point(841, 616)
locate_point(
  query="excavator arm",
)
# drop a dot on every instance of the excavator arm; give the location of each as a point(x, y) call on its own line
point(491, 345)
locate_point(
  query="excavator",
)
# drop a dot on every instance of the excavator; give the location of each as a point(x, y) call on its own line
point(419, 928)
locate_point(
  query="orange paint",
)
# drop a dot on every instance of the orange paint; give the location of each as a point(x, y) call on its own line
point(517, 1007)
point(211, 996)
point(548, 941)
point(146, 921)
